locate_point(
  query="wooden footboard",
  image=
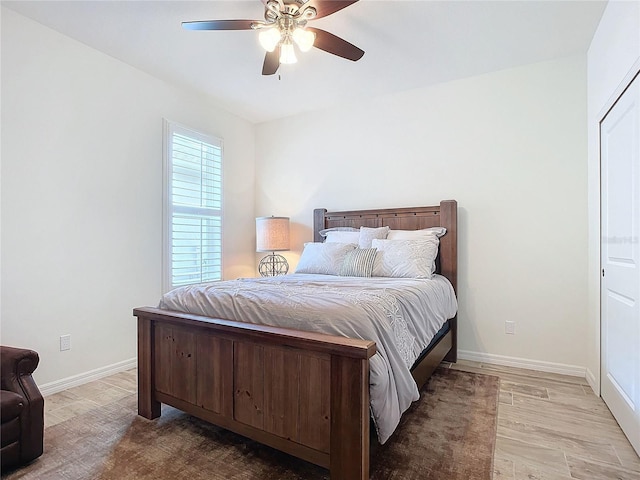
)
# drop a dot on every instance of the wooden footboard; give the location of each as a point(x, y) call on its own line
point(304, 393)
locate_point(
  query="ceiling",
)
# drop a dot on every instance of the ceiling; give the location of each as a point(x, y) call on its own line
point(408, 44)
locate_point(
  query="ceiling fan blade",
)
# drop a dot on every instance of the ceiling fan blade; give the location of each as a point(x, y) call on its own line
point(327, 7)
point(330, 43)
point(220, 25)
point(271, 62)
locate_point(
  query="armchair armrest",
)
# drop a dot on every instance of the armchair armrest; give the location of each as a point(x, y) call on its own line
point(14, 364)
point(16, 367)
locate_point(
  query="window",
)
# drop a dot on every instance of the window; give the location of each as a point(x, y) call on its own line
point(192, 207)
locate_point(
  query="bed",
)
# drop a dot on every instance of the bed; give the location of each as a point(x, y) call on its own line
point(303, 392)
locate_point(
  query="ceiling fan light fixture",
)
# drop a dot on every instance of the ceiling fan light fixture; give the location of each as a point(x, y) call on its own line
point(269, 38)
point(287, 53)
point(284, 29)
point(304, 39)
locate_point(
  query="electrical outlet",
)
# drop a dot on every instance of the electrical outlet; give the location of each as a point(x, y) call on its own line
point(510, 327)
point(65, 342)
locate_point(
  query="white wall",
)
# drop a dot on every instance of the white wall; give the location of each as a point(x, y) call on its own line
point(613, 58)
point(82, 195)
point(510, 147)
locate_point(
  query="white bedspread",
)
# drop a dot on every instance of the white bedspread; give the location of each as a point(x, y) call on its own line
point(400, 315)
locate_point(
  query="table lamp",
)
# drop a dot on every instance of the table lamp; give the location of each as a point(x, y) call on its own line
point(272, 235)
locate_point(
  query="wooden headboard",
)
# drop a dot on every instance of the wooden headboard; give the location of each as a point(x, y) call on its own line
point(443, 215)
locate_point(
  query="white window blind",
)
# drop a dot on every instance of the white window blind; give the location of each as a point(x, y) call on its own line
point(193, 207)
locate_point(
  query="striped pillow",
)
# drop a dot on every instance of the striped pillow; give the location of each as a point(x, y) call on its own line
point(358, 263)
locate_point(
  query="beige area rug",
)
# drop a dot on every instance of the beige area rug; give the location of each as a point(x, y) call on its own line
point(448, 434)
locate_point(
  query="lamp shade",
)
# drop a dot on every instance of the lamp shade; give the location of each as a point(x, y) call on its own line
point(287, 53)
point(272, 234)
point(269, 38)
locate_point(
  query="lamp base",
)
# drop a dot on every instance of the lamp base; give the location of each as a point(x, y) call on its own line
point(273, 265)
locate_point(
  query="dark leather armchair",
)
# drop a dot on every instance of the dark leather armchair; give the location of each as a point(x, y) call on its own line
point(21, 408)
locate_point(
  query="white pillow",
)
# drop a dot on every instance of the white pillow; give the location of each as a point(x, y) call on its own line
point(338, 236)
point(416, 234)
point(405, 258)
point(323, 258)
point(367, 234)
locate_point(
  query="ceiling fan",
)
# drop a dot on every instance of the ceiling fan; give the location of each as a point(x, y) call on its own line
point(285, 24)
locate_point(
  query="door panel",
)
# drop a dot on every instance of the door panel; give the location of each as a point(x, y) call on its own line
point(620, 288)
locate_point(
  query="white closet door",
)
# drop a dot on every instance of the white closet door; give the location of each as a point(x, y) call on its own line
point(620, 288)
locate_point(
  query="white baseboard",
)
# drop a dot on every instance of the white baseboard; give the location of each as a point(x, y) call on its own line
point(593, 382)
point(90, 376)
point(541, 366)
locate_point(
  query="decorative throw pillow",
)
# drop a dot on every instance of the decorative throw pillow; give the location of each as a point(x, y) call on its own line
point(358, 263)
point(405, 258)
point(323, 258)
point(416, 234)
point(367, 234)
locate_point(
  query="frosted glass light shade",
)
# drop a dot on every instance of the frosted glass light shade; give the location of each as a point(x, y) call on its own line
point(287, 53)
point(272, 234)
point(269, 38)
point(304, 39)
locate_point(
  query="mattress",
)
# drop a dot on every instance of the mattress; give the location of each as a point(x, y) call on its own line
point(401, 315)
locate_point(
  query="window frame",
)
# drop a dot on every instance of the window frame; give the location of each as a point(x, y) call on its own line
point(169, 128)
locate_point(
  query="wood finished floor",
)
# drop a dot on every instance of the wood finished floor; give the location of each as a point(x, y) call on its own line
point(550, 427)
point(553, 427)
